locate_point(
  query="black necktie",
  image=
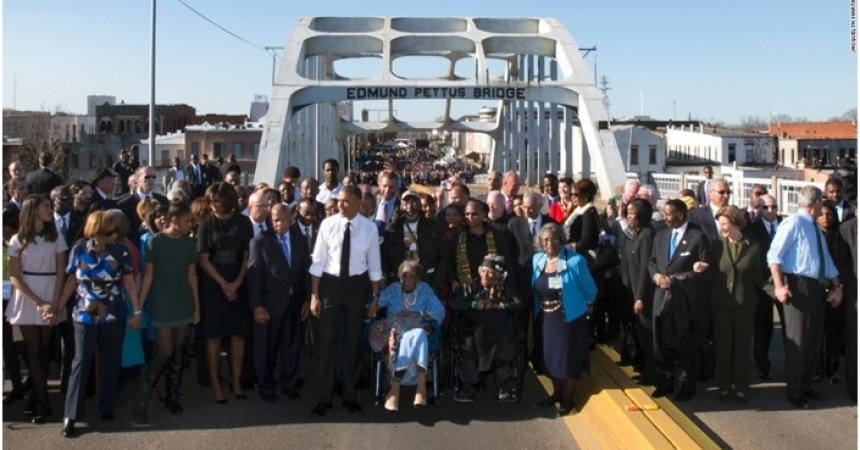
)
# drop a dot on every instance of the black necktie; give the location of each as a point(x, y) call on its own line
point(63, 227)
point(772, 230)
point(344, 253)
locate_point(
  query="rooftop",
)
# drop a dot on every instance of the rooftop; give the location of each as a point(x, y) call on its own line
point(814, 130)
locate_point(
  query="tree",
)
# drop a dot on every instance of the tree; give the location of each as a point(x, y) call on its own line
point(38, 134)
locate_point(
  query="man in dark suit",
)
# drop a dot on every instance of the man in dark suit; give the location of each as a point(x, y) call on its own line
point(678, 251)
point(416, 238)
point(70, 224)
point(307, 221)
point(834, 190)
point(43, 179)
point(388, 203)
point(18, 191)
point(753, 210)
point(124, 170)
point(309, 188)
point(213, 172)
point(198, 176)
point(703, 189)
point(762, 231)
point(849, 230)
point(278, 295)
point(103, 186)
point(524, 229)
point(145, 182)
point(705, 218)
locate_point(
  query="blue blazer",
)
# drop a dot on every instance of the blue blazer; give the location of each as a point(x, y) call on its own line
point(577, 287)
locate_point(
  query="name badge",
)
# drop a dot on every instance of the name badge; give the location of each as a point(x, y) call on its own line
point(555, 282)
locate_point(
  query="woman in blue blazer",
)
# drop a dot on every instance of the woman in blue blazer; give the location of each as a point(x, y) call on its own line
point(563, 291)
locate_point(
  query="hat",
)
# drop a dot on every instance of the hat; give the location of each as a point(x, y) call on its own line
point(495, 262)
point(104, 172)
point(409, 193)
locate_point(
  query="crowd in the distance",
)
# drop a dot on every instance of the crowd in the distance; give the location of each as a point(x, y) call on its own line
point(683, 287)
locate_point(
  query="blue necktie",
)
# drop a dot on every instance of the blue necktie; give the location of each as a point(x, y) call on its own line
point(673, 244)
point(285, 247)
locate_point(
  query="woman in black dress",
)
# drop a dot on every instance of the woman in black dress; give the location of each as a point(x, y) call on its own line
point(223, 241)
point(582, 227)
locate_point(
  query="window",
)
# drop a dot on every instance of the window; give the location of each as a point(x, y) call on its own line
point(93, 160)
point(73, 161)
point(165, 158)
point(195, 148)
point(138, 127)
point(634, 155)
point(255, 150)
point(652, 154)
point(732, 153)
point(217, 150)
point(238, 149)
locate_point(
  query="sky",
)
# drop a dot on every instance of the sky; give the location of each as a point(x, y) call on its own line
point(716, 61)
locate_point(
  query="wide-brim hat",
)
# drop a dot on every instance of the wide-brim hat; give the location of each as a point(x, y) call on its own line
point(104, 172)
point(495, 262)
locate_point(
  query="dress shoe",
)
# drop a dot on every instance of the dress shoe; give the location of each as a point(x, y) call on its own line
point(420, 400)
point(765, 376)
point(741, 397)
point(292, 393)
point(662, 391)
point(352, 406)
point(13, 396)
point(223, 401)
point(812, 394)
point(269, 398)
point(705, 377)
point(799, 402)
point(107, 417)
point(68, 428)
point(320, 409)
point(549, 401)
point(684, 396)
point(564, 411)
point(723, 395)
point(464, 396)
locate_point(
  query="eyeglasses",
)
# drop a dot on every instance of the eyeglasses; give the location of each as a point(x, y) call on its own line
point(110, 232)
point(773, 207)
point(150, 177)
point(758, 193)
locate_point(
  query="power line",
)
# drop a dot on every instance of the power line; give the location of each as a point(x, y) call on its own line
point(222, 28)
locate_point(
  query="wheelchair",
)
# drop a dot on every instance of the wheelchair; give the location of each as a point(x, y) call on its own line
point(508, 370)
point(435, 363)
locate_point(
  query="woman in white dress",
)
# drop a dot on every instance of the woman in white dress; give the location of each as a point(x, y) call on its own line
point(37, 259)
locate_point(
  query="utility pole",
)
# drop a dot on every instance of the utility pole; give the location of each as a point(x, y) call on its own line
point(152, 91)
point(588, 50)
point(273, 51)
point(604, 89)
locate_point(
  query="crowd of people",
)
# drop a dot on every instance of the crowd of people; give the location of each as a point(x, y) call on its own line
point(420, 166)
point(684, 286)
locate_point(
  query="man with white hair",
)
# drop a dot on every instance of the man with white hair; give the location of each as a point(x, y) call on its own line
point(144, 178)
point(804, 277)
point(649, 193)
point(496, 203)
point(510, 188)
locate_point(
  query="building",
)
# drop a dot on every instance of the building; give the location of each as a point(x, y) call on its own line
point(704, 144)
point(260, 107)
point(134, 119)
point(167, 147)
point(643, 150)
point(98, 100)
point(815, 144)
point(221, 141)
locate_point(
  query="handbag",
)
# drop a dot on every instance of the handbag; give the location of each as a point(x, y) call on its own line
point(380, 330)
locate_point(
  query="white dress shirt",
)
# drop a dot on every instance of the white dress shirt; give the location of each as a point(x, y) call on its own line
point(326, 193)
point(363, 253)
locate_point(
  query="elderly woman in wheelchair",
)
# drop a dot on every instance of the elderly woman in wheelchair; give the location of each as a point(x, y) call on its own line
point(409, 331)
point(486, 332)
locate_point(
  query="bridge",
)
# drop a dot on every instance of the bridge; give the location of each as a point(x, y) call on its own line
point(550, 118)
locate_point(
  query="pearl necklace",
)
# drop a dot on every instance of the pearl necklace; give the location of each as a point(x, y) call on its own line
point(409, 299)
point(551, 260)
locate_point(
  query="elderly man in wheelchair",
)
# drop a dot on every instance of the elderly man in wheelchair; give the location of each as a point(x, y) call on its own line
point(409, 331)
point(486, 335)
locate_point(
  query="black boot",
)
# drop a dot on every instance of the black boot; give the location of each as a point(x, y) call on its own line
point(150, 375)
point(174, 379)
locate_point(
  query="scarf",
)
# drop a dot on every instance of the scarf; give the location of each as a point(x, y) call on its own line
point(463, 268)
point(578, 211)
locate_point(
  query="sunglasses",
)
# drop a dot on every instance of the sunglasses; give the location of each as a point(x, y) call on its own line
point(150, 177)
point(110, 232)
point(773, 207)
